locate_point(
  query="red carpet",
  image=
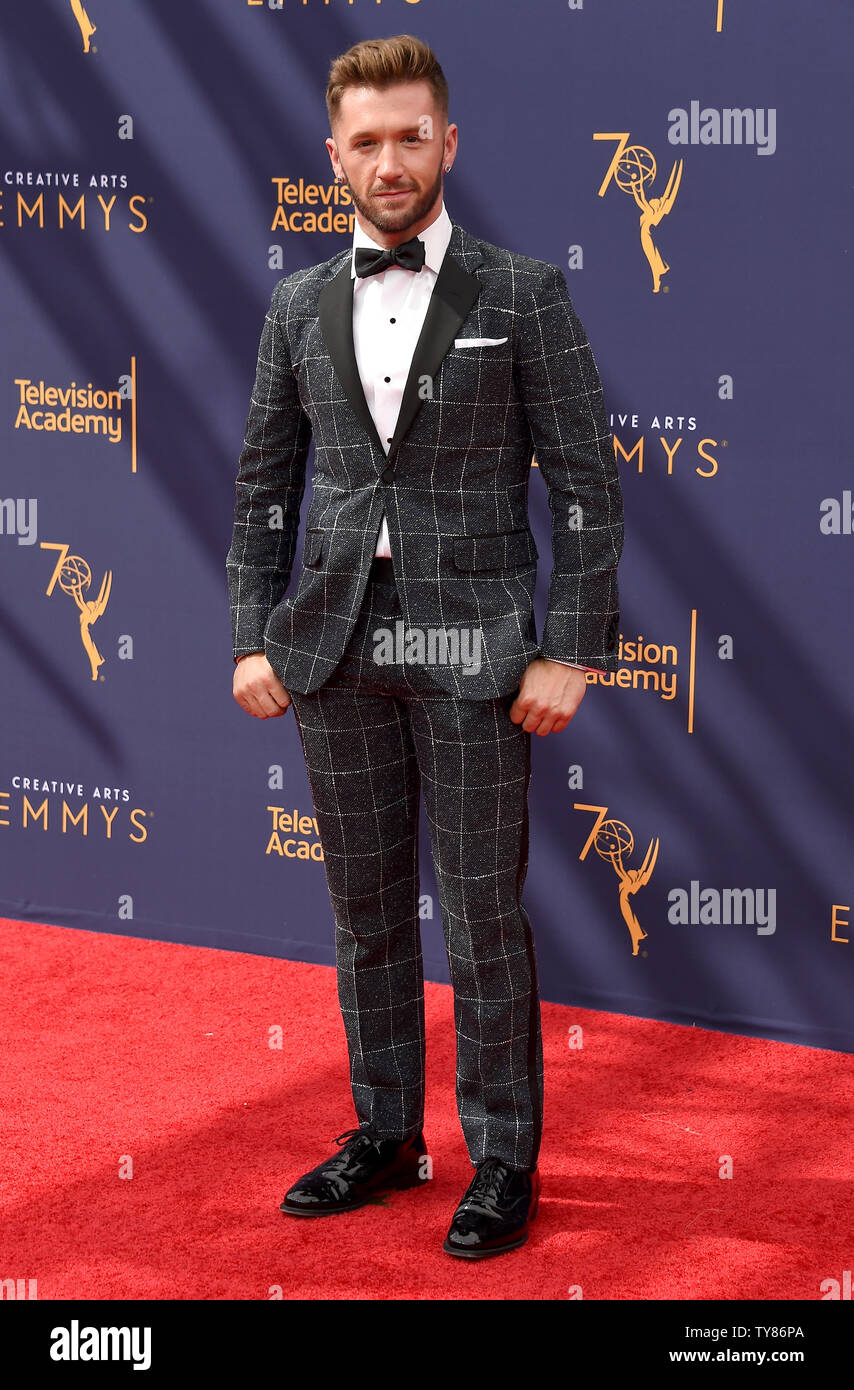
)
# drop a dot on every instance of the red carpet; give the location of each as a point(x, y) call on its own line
point(117, 1047)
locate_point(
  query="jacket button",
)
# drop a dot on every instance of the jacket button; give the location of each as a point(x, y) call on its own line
point(388, 475)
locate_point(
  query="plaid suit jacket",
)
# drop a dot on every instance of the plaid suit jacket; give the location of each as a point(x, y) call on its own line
point(454, 485)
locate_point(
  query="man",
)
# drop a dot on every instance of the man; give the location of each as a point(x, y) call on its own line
point(428, 366)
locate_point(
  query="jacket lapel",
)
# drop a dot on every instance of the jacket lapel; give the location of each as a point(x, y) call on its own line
point(335, 317)
point(454, 293)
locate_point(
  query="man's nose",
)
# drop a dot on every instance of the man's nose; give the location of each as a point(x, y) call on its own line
point(390, 165)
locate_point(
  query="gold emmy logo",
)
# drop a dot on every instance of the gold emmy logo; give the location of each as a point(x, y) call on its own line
point(613, 839)
point(87, 28)
point(74, 576)
point(633, 170)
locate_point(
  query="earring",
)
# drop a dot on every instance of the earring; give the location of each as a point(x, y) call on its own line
point(447, 168)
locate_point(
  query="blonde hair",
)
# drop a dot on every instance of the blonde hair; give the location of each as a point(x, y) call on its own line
point(382, 63)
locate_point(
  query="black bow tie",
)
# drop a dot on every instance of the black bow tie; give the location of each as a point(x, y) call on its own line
point(409, 254)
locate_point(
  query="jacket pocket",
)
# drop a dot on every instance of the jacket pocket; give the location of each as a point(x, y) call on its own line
point(495, 552)
point(312, 548)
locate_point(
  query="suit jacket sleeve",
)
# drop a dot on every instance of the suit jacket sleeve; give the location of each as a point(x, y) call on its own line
point(270, 485)
point(564, 405)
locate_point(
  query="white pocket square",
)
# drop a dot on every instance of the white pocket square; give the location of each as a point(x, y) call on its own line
point(478, 342)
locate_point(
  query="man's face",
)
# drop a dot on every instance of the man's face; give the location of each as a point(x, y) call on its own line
point(390, 146)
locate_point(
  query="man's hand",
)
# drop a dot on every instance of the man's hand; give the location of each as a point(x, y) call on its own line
point(257, 688)
point(549, 695)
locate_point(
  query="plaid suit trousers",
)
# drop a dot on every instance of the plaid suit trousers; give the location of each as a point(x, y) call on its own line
point(374, 736)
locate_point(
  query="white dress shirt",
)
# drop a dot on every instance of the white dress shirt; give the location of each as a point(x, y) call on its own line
point(388, 314)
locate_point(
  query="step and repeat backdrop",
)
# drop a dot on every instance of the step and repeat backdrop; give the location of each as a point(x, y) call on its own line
point(683, 162)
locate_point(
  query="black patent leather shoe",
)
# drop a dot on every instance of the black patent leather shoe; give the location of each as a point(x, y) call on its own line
point(496, 1212)
point(366, 1164)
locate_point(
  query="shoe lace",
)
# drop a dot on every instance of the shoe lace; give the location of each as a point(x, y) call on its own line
point(350, 1134)
point(486, 1184)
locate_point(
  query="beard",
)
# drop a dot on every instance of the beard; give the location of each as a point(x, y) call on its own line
point(392, 219)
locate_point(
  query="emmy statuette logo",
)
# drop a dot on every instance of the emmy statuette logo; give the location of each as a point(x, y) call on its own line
point(74, 577)
point(87, 28)
point(634, 170)
point(613, 840)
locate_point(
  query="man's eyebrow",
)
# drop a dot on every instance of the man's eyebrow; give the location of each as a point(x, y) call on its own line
point(413, 129)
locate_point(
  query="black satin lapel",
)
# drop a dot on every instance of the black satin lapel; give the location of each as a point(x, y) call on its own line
point(335, 317)
point(454, 292)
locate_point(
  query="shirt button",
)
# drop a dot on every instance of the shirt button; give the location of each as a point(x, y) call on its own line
point(392, 320)
point(388, 475)
point(386, 378)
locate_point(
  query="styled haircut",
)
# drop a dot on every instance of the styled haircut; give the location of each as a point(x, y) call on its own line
point(382, 63)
